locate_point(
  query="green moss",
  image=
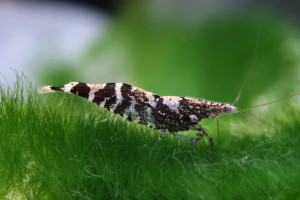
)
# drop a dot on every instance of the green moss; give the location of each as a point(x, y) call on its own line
point(52, 147)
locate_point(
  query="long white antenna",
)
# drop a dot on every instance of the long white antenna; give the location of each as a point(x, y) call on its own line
point(254, 123)
point(253, 62)
point(270, 102)
point(218, 130)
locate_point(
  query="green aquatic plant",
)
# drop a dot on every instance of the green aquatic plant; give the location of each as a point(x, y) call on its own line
point(52, 147)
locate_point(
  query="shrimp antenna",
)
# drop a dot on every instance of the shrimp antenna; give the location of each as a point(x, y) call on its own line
point(250, 108)
point(253, 122)
point(218, 130)
point(253, 62)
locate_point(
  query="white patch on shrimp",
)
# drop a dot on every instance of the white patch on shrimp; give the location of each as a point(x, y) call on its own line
point(194, 118)
point(118, 96)
point(172, 102)
point(91, 96)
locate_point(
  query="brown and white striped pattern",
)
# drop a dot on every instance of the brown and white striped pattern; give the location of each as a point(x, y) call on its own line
point(169, 113)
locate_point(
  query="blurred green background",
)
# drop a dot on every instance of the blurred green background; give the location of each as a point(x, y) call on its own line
point(208, 59)
point(60, 148)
